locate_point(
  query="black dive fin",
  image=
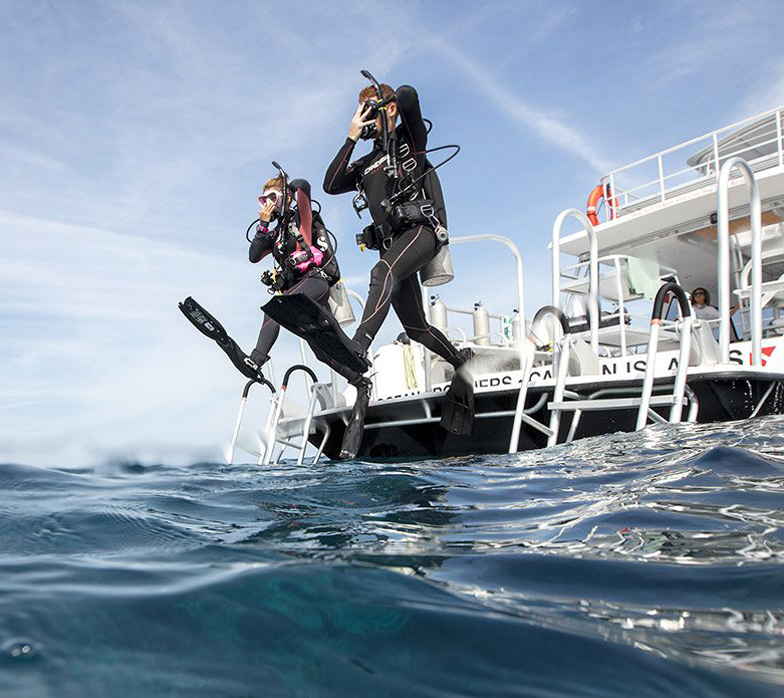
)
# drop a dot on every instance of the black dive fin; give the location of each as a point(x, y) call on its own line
point(307, 319)
point(210, 327)
point(457, 412)
point(355, 429)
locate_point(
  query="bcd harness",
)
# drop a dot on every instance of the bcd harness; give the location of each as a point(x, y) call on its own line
point(301, 263)
point(399, 215)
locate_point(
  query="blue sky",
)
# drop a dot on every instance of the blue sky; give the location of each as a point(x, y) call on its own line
point(135, 136)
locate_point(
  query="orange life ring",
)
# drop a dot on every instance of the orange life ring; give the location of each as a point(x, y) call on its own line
point(599, 192)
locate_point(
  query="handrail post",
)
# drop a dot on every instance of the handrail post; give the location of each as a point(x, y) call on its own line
point(560, 367)
point(593, 269)
point(519, 273)
point(526, 357)
point(653, 344)
point(716, 154)
point(266, 457)
point(612, 204)
point(621, 305)
point(780, 137)
point(723, 232)
point(518, 259)
point(308, 422)
point(238, 423)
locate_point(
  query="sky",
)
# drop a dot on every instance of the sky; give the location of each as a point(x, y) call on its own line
point(136, 136)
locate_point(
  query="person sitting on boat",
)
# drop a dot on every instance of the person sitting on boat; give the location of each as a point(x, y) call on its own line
point(304, 261)
point(394, 171)
point(700, 303)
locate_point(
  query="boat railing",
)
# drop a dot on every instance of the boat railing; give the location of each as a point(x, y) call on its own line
point(480, 338)
point(622, 281)
point(593, 270)
point(276, 411)
point(629, 397)
point(723, 232)
point(759, 140)
point(483, 339)
point(515, 252)
point(679, 387)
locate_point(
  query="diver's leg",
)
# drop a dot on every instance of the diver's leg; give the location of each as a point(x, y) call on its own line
point(268, 334)
point(457, 411)
point(315, 287)
point(407, 304)
point(355, 428)
point(408, 253)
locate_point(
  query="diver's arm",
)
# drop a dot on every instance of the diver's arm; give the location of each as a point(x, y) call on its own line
point(342, 177)
point(261, 244)
point(411, 120)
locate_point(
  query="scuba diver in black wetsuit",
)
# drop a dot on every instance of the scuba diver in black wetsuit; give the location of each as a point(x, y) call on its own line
point(305, 262)
point(393, 181)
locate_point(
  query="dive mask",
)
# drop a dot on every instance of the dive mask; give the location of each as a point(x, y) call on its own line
point(370, 130)
point(273, 195)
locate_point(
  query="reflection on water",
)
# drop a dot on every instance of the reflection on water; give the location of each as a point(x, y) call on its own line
point(655, 556)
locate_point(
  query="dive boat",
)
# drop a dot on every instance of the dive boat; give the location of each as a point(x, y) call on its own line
point(620, 346)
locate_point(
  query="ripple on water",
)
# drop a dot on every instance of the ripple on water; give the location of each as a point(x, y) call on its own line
point(648, 563)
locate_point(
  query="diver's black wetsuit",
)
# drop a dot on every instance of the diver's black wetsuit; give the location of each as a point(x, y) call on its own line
point(312, 283)
point(393, 279)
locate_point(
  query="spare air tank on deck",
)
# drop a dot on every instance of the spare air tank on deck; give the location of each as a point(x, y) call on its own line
point(481, 325)
point(438, 313)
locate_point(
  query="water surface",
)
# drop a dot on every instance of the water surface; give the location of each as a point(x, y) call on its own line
point(633, 564)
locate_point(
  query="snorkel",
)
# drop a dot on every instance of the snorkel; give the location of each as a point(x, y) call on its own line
point(285, 205)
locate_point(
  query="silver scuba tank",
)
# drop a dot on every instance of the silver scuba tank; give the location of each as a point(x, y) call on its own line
point(438, 313)
point(517, 330)
point(340, 305)
point(438, 270)
point(481, 325)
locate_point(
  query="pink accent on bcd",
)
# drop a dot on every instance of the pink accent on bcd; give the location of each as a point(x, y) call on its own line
point(317, 259)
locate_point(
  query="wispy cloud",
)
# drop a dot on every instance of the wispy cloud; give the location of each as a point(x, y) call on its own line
point(766, 90)
point(553, 130)
point(99, 355)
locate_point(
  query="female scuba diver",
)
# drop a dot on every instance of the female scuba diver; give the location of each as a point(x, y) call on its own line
point(304, 262)
point(305, 265)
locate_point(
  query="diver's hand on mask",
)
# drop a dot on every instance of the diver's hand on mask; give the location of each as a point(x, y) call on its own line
point(358, 122)
point(265, 213)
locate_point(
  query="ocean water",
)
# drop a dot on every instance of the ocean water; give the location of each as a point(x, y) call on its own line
point(647, 564)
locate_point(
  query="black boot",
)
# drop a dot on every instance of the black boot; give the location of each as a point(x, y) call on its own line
point(355, 429)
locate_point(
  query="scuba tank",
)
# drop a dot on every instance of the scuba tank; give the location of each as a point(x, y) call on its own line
point(517, 329)
point(438, 313)
point(438, 270)
point(340, 304)
point(481, 325)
